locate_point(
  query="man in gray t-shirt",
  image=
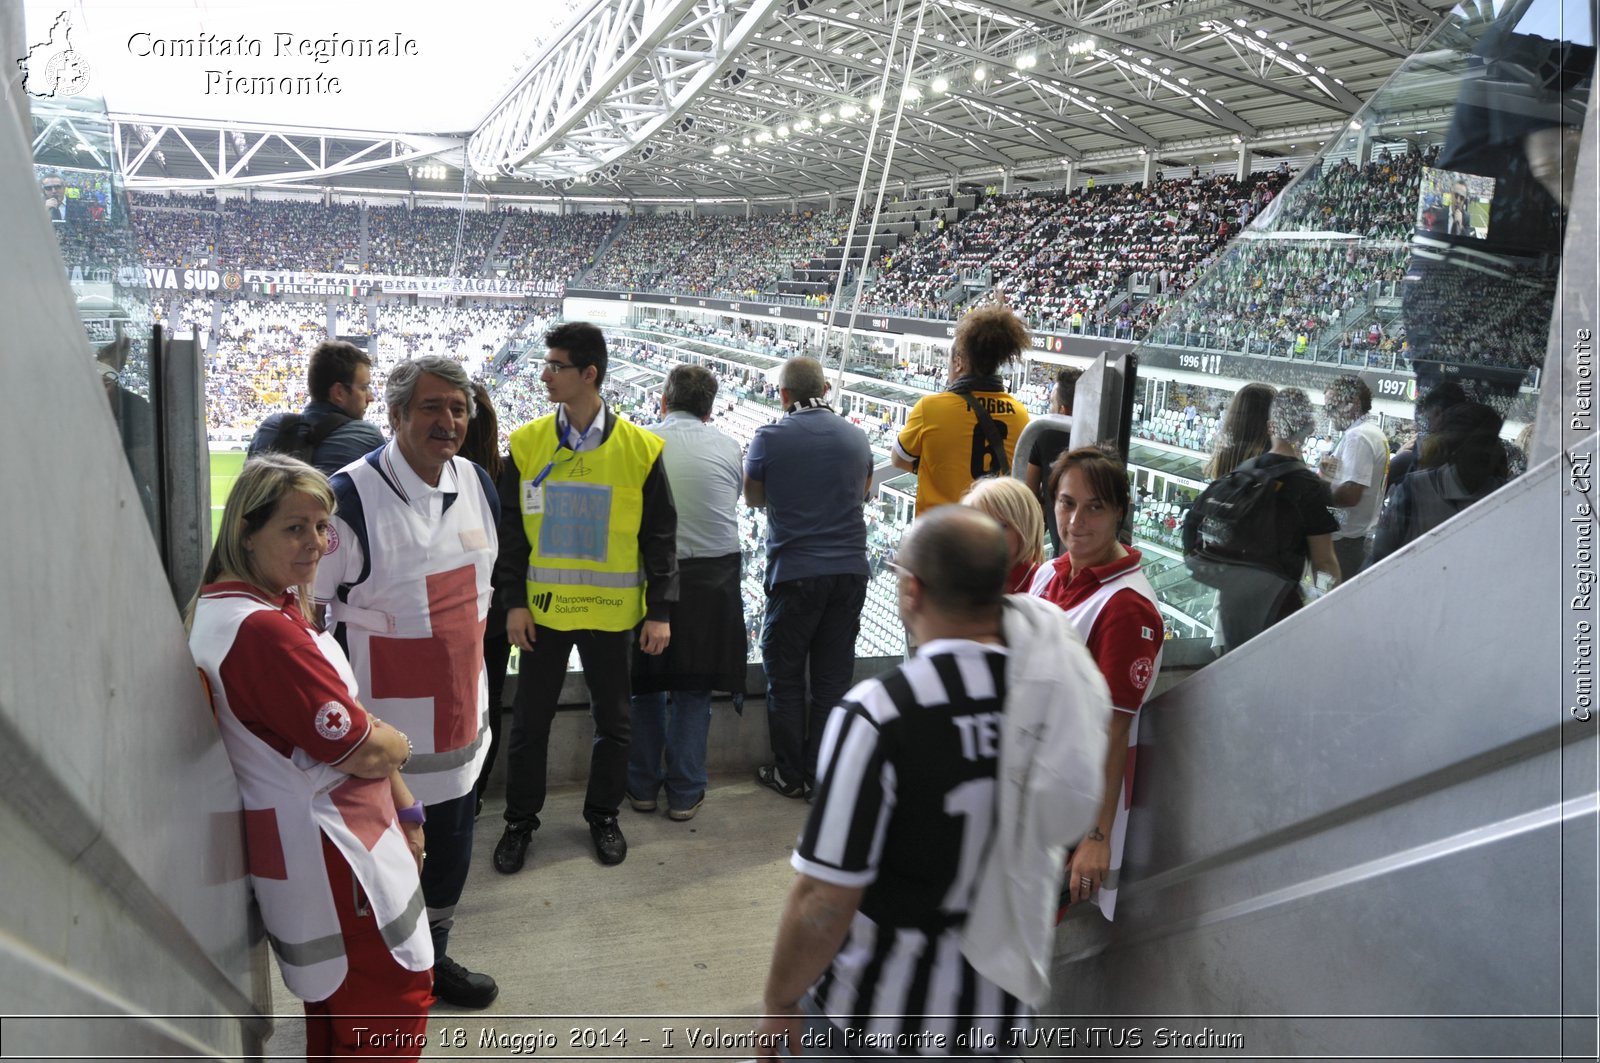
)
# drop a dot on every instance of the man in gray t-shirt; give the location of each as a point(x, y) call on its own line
point(812, 471)
point(670, 709)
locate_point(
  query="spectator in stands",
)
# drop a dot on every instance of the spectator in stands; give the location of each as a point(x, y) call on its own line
point(1047, 447)
point(1264, 588)
point(1355, 469)
point(1462, 461)
point(1009, 501)
point(970, 430)
point(812, 471)
point(340, 382)
point(671, 707)
point(1113, 608)
point(560, 548)
point(912, 785)
point(1429, 408)
point(1245, 430)
point(406, 579)
point(335, 838)
point(482, 447)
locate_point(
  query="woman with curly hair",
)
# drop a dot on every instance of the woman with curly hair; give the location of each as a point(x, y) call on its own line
point(969, 430)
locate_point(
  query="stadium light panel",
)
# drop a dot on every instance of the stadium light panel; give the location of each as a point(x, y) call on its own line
point(941, 84)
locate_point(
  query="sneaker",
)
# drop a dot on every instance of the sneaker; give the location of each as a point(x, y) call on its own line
point(769, 776)
point(684, 814)
point(640, 804)
point(609, 844)
point(454, 984)
point(512, 849)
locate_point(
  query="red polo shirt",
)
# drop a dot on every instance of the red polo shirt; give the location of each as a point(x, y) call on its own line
point(1124, 637)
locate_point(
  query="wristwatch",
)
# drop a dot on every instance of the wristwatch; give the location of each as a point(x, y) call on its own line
point(413, 814)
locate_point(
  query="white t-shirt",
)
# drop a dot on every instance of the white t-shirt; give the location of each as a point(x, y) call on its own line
point(1363, 456)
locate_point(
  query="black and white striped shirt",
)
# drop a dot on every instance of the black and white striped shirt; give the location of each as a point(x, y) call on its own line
point(905, 808)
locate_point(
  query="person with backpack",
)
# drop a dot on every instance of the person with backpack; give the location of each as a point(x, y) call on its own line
point(1461, 460)
point(329, 433)
point(969, 430)
point(1251, 532)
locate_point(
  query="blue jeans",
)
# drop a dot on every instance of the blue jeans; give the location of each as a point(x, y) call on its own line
point(809, 632)
point(674, 723)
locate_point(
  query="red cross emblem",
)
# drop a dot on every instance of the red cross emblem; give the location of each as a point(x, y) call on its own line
point(444, 666)
point(331, 721)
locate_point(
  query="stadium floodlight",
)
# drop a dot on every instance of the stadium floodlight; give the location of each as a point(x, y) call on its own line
point(849, 110)
point(803, 125)
point(876, 103)
point(941, 84)
point(1027, 62)
point(911, 92)
point(980, 73)
point(783, 131)
point(763, 137)
point(721, 149)
point(745, 142)
point(825, 117)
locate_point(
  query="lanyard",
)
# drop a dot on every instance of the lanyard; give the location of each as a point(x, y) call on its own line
point(573, 439)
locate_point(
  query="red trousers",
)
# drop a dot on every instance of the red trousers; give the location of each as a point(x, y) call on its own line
point(380, 1010)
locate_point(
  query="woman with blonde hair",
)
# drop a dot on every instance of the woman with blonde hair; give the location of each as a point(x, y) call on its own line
point(1010, 502)
point(1244, 433)
point(332, 835)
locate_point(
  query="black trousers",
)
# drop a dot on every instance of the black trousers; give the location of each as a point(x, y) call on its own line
point(447, 836)
point(606, 657)
point(496, 653)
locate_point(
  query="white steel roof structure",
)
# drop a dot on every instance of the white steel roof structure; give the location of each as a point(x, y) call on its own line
point(773, 99)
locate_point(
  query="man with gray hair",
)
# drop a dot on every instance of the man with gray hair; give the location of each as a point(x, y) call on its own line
point(812, 470)
point(406, 580)
point(671, 706)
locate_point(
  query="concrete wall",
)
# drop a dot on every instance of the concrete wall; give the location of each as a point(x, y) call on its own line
point(122, 889)
point(1362, 812)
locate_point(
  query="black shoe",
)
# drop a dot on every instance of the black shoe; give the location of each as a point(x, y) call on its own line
point(512, 849)
point(769, 776)
point(454, 984)
point(609, 844)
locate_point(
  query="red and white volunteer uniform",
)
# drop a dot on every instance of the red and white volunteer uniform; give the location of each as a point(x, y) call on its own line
point(414, 609)
point(1113, 608)
point(285, 702)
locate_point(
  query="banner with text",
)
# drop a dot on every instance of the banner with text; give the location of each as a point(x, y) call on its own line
point(290, 282)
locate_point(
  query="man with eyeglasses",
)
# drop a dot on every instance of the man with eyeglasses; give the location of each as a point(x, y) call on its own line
point(588, 550)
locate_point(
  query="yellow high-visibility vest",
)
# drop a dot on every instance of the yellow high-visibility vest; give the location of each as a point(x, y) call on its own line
point(581, 512)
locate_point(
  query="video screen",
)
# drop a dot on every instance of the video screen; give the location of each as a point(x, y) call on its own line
point(1454, 204)
point(75, 197)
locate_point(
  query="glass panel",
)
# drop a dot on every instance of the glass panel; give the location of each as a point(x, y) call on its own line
point(1420, 249)
point(76, 166)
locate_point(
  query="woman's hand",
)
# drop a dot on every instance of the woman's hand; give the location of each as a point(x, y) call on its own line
point(1088, 866)
point(415, 842)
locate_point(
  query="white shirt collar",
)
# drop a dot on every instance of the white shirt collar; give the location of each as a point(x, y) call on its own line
point(414, 488)
point(590, 438)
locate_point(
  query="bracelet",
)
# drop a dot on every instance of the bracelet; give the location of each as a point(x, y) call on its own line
point(409, 750)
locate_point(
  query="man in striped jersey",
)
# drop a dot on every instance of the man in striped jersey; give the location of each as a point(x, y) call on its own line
point(901, 849)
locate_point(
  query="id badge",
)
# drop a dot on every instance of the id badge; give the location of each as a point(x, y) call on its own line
point(532, 498)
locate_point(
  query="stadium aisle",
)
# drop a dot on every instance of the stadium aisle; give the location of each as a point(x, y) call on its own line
point(577, 947)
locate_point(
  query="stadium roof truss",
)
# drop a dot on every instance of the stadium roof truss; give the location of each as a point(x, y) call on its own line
point(773, 99)
point(208, 154)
